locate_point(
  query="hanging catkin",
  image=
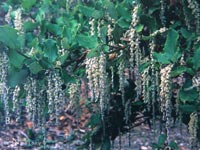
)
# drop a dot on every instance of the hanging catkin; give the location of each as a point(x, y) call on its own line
point(193, 128)
point(4, 89)
point(165, 97)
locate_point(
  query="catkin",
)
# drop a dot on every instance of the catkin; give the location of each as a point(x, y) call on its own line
point(165, 96)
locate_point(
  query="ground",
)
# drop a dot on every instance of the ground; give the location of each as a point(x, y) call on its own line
point(65, 137)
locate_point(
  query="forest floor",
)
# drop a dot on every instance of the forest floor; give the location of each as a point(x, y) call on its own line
point(15, 137)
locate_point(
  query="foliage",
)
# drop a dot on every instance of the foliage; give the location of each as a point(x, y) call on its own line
point(120, 47)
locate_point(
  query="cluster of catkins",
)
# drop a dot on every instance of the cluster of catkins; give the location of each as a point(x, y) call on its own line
point(98, 80)
point(55, 95)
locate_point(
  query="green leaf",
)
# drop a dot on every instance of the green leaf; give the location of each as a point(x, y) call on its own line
point(162, 58)
point(94, 121)
point(117, 33)
point(16, 77)
point(16, 59)
point(54, 29)
point(50, 49)
point(186, 34)
point(29, 26)
point(93, 53)
point(188, 109)
point(188, 95)
point(8, 36)
point(27, 4)
point(161, 140)
point(196, 59)
point(106, 143)
point(70, 31)
point(65, 43)
point(149, 22)
point(112, 11)
point(123, 23)
point(87, 41)
point(179, 70)
point(63, 58)
point(139, 28)
point(174, 145)
point(123, 11)
point(170, 46)
point(90, 12)
point(35, 67)
point(21, 40)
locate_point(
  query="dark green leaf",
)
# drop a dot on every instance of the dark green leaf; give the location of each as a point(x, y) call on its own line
point(63, 58)
point(65, 43)
point(174, 145)
point(170, 46)
point(112, 11)
point(27, 4)
point(188, 95)
point(29, 26)
point(123, 23)
point(21, 40)
point(87, 41)
point(186, 34)
point(50, 50)
point(16, 59)
point(54, 29)
point(8, 36)
point(16, 77)
point(35, 67)
point(196, 59)
point(123, 11)
point(161, 140)
point(90, 12)
point(179, 70)
point(70, 31)
point(94, 120)
point(162, 58)
point(149, 22)
point(117, 33)
point(93, 53)
point(188, 109)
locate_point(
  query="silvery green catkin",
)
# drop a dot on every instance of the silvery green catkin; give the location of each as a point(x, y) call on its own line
point(55, 95)
point(103, 85)
point(74, 95)
point(165, 97)
point(31, 98)
point(193, 130)
point(92, 26)
point(121, 69)
point(152, 47)
point(92, 67)
point(145, 87)
point(132, 36)
point(135, 51)
point(186, 16)
point(194, 6)
point(4, 89)
point(58, 95)
point(8, 15)
point(17, 103)
point(162, 12)
point(50, 95)
point(18, 20)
